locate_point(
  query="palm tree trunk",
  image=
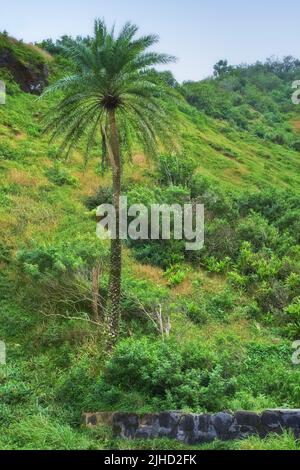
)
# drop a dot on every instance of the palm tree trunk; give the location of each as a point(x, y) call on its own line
point(114, 290)
point(104, 152)
point(95, 293)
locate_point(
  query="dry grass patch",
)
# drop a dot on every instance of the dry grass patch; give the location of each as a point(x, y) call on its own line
point(151, 273)
point(89, 182)
point(212, 283)
point(23, 178)
point(46, 55)
point(140, 160)
point(184, 288)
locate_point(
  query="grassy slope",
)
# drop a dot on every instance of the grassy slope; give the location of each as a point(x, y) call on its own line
point(33, 208)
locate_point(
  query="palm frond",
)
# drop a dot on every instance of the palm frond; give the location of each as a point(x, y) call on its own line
point(113, 71)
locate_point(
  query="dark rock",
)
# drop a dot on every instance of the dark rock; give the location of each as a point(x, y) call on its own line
point(291, 420)
point(248, 418)
point(206, 432)
point(206, 437)
point(249, 423)
point(148, 426)
point(31, 78)
point(168, 423)
point(98, 419)
point(125, 425)
point(271, 422)
point(169, 419)
point(204, 423)
point(187, 423)
point(187, 428)
point(198, 429)
point(92, 420)
point(149, 420)
point(147, 432)
point(225, 425)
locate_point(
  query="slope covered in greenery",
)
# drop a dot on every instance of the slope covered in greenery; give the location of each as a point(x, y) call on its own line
point(234, 307)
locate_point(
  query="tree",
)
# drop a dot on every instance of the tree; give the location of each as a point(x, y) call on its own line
point(221, 68)
point(114, 95)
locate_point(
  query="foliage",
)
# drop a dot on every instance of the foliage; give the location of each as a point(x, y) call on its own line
point(142, 100)
point(234, 306)
point(253, 97)
point(60, 176)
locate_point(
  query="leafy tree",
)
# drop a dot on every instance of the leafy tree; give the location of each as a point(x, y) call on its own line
point(114, 91)
point(221, 68)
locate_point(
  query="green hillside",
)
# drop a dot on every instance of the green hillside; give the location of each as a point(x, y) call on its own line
point(234, 307)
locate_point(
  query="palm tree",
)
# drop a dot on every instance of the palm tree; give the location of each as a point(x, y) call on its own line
point(114, 95)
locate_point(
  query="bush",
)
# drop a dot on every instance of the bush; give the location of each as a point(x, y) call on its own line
point(103, 196)
point(175, 275)
point(220, 241)
point(61, 177)
point(57, 260)
point(214, 266)
point(163, 376)
point(176, 170)
point(196, 311)
point(256, 230)
point(217, 202)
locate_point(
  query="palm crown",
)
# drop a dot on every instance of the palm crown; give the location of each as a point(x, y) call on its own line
point(114, 73)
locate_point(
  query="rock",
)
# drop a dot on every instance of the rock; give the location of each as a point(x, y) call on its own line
point(248, 418)
point(206, 432)
point(225, 426)
point(148, 426)
point(169, 419)
point(271, 422)
point(204, 423)
point(187, 428)
point(290, 419)
point(198, 428)
point(31, 78)
point(205, 437)
point(187, 423)
point(168, 423)
point(249, 423)
point(147, 432)
point(97, 419)
point(125, 425)
point(149, 420)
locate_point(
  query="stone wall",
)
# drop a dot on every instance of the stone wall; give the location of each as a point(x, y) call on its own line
point(198, 428)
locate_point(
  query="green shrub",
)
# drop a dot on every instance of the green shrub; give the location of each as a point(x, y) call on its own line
point(61, 176)
point(196, 311)
point(214, 266)
point(103, 196)
point(163, 376)
point(175, 275)
point(176, 170)
point(257, 231)
point(57, 260)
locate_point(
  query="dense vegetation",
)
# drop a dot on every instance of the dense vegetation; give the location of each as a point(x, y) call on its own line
point(234, 307)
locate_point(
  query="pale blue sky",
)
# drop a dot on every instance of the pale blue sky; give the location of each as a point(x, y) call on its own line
point(198, 32)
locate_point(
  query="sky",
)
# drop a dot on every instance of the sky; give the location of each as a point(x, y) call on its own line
point(197, 32)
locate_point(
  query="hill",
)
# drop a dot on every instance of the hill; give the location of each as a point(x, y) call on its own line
point(234, 307)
